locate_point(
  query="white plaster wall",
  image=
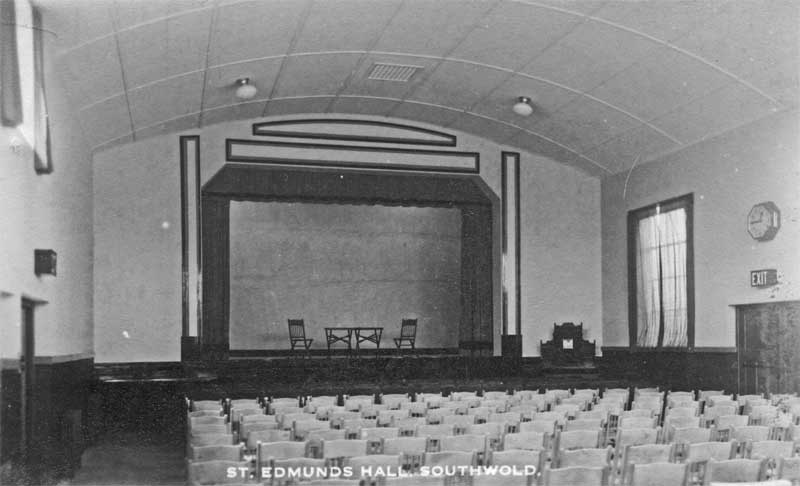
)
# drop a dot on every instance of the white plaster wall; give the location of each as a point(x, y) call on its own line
point(728, 175)
point(560, 223)
point(560, 253)
point(50, 211)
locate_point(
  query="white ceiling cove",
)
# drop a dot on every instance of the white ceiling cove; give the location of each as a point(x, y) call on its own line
point(612, 81)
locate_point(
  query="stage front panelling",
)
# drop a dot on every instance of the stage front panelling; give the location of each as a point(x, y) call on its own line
point(342, 265)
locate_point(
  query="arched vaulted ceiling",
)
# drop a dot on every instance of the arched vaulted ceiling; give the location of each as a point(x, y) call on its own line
point(612, 81)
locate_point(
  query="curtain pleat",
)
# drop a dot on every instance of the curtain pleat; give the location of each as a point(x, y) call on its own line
point(662, 318)
point(10, 94)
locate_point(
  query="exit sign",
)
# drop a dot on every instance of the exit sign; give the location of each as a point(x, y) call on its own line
point(763, 278)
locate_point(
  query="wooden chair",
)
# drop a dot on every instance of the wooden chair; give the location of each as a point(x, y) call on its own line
point(571, 476)
point(213, 405)
point(408, 334)
point(585, 424)
point(478, 444)
point(394, 400)
point(527, 441)
point(434, 434)
point(700, 453)
point(297, 335)
point(375, 435)
point(335, 451)
point(217, 453)
point(386, 463)
point(493, 431)
point(408, 426)
point(450, 458)
point(215, 472)
point(644, 454)
point(599, 457)
point(520, 458)
point(410, 449)
point(314, 439)
point(498, 480)
point(735, 471)
point(314, 469)
point(546, 426)
point(578, 439)
point(789, 468)
point(415, 480)
point(659, 474)
point(268, 451)
point(771, 450)
point(750, 433)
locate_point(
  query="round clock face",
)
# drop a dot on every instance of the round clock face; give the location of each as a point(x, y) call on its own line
point(763, 221)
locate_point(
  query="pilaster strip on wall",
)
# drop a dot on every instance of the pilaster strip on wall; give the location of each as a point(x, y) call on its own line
point(510, 197)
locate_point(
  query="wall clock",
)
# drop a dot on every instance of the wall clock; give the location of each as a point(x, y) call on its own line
point(763, 221)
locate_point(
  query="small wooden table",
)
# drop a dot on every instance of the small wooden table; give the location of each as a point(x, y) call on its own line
point(344, 334)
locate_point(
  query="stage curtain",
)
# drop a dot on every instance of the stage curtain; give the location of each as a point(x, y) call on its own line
point(476, 274)
point(10, 95)
point(216, 275)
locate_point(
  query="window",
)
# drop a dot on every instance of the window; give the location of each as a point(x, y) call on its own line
point(661, 274)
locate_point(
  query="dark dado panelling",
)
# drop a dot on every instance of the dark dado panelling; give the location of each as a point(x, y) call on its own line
point(676, 369)
point(61, 391)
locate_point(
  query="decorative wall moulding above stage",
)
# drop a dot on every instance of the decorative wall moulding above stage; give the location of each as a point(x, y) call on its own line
point(353, 131)
point(287, 153)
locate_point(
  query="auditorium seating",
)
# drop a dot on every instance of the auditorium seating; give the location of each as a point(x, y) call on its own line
point(603, 442)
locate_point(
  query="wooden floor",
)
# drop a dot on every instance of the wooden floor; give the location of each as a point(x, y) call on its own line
point(132, 458)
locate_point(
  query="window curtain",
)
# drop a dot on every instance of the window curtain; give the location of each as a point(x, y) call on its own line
point(10, 95)
point(41, 161)
point(662, 318)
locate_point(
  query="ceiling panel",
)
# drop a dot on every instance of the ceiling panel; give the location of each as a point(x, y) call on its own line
point(240, 31)
point(725, 108)
point(431, 28)
point(588, 56)
point(359, 84)
point(298, 106)
point(344, 25)
point(654, 86)
point(187, 122)
point(314, 75)
point(547, 98)
point(481, 127)
point(619, 153)
point(581, 7)
point(239, 111)
point(584, 123)
point(75, 26)
point(663, 20)
point(782, 82)
point(155, 51)
point(127, 13)
point(94, 72)
point(458, 85)
point(425, 113)
point(105, 121)
point(221, 81)
point(747, 36)
point(513, 33)
point(365, 106)
point(166, 100)
point(537, 145)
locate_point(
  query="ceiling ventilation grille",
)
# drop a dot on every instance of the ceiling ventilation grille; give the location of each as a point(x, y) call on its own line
point(392, 72)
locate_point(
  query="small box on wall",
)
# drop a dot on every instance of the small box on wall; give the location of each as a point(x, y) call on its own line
point(763, 278)
point(44, 262)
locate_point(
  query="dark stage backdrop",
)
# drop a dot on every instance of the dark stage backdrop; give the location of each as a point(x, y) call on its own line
point(339, 264)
